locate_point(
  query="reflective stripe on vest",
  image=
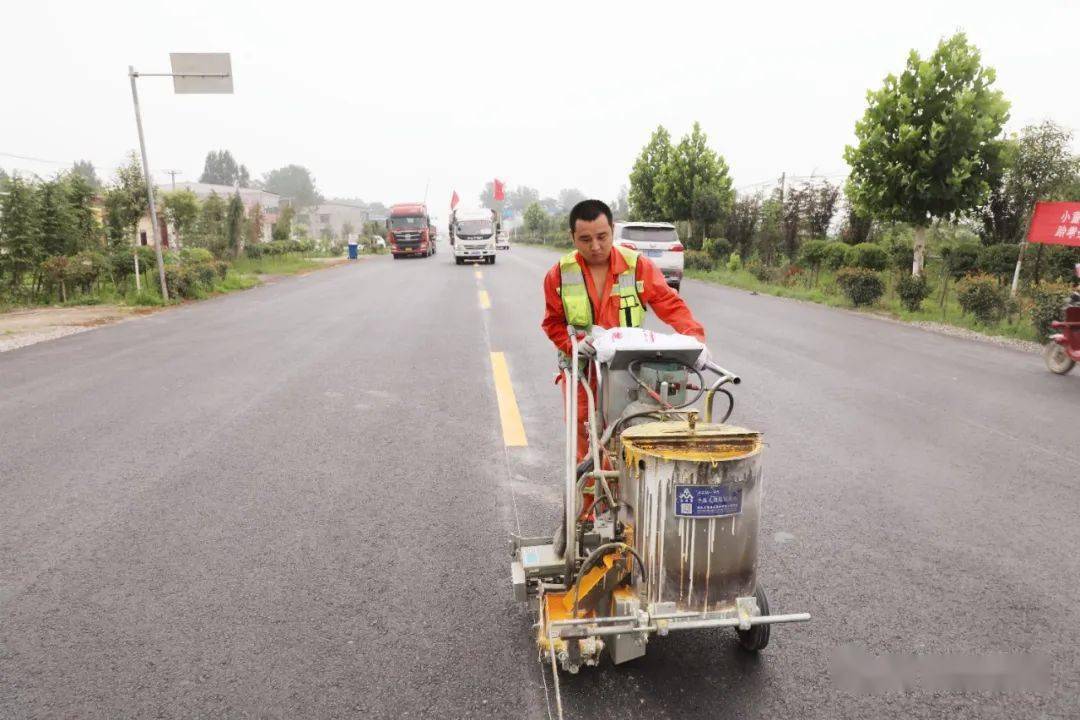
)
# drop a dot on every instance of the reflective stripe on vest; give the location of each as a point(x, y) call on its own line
point(575, 296)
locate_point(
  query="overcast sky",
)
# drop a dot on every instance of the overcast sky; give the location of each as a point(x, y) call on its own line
point(379, 99)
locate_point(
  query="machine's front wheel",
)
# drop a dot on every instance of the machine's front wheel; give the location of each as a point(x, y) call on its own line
point(459, 261)
point(757, 637)
point(1057, 358)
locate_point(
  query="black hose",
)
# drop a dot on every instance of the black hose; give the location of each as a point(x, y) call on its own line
point(632, 369)
point(592, 558)
point(731, 404)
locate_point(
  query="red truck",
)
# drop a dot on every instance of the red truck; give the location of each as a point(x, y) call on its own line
point(409, 230)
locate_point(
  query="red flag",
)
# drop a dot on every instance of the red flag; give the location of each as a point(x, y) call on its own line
point(499, 194)
point(454, 200)
point(1055, 223)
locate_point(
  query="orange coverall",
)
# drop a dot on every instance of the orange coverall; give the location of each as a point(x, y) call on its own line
point(665, 302)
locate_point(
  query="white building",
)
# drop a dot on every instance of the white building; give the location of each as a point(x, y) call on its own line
point(268, 202)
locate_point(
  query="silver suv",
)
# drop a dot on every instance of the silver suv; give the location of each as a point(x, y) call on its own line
point(657, 241)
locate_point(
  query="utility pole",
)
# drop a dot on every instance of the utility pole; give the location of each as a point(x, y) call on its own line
point(173, 174)
point(154, 229)
point(192, 73)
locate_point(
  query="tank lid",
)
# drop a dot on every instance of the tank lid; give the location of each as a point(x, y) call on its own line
point(668, 430)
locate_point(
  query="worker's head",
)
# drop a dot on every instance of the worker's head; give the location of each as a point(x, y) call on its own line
point(592, 230)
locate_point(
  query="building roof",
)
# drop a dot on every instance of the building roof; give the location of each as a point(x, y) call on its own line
point(249, 196)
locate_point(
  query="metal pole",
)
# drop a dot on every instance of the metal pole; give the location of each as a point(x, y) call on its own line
point(154, 230)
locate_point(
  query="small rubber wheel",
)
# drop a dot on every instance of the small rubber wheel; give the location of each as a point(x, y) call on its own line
point(757, 637)
point(1057, 358)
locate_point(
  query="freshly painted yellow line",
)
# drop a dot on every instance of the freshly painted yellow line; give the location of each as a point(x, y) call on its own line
point(485, 301)
point(513, 429)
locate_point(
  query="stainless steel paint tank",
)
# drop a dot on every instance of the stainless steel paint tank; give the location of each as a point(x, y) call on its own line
point(694, 498)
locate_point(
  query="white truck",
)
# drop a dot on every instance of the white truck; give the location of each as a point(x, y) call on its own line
point(472, 235)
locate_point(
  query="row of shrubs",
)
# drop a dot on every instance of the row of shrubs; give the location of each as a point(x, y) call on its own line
point(187, 273)
point(859, 277)
point(257, 251)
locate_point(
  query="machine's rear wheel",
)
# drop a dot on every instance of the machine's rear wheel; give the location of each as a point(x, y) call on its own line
point(1057, 358)
point(757, 637)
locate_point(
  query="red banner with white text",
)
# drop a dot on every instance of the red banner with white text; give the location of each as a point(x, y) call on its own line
point(1056, 223)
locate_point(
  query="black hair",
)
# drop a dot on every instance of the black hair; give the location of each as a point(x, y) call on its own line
point(590, 210)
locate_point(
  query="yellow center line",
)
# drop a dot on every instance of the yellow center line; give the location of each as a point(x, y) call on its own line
point(479, 275)
point(485, 301)
point(512, 427)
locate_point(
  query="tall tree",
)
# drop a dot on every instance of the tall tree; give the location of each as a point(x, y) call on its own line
point(819, 207)
point(20, 231)
point(522, 197)
point(126, 203)
point(569, 197)
point(55, 219)
point(255, 224)
point(84, 221)
point(85, 169)
point(741, 223)
point(283, 227)
point(707, 207)
point(535, 219)
point(621, 207)
point(294, 182)
point(693, 165)
point(857, 226)
point(644, 195)
point(234, 225)
point(221, 168)
point(181, 211)
point(210, 227)
point(929, 144)
point(1039, 165)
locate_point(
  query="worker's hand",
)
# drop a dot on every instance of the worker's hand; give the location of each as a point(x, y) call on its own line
point(585, 346)
point(703, 359)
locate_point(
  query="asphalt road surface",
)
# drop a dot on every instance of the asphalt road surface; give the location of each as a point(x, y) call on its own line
point(294, 502)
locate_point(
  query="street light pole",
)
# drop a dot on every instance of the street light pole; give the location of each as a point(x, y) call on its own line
point(154, 229)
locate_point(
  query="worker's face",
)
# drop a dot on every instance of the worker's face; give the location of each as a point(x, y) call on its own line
point(593, 239)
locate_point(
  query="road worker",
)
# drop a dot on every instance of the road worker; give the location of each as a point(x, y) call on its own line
point(603, 285)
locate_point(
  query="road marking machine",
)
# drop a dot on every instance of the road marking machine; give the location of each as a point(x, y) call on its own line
point(660, 524)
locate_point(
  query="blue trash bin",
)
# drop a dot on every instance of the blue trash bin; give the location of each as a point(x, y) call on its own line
point(352, 251)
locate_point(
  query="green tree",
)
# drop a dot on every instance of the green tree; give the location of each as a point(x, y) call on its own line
point(294, 182)
point(1039, 165)
point(857, 226)
point(707, 208)
point(84, 222)
point(255, 225)
point(693, 165)
point(535, 219)
point(126, 203)
point(522, 197)
point(85, 170)
point(819, 207)
point(283, 227)
point(55, 220)
point(929, 143)
point(20, 231)
point(234, 225)
point(741, 223)
point(621, 207)
point(569, 197)
point(644, 195)
point(181, 209)
point(221, 168)
point(210, 227)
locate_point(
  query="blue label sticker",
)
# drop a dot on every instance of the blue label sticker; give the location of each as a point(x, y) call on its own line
point(530, 557)
point(707, 501)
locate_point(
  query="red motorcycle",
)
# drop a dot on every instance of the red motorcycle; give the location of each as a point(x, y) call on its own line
point(1063, 350)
